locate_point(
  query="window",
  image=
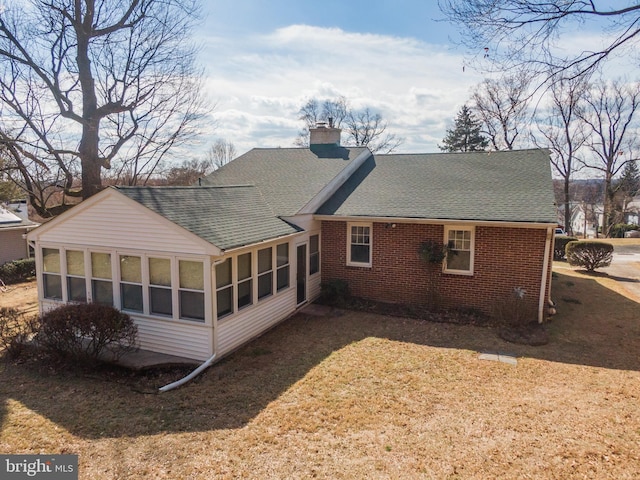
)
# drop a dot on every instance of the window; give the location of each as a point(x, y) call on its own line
point(265, 272)
point(245, 283)
point(101, 285)
point(76, 284)
point(359, 244)
point(191, 290)
point(160, 295)
point(51, 279)
point(282, 266)
point(131, 283)
point(460, 245)
point(224, 288)
point(314, 254)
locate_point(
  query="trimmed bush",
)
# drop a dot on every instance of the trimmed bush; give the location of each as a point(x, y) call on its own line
point(84, 331)
point(590, 255)
point(15, 331)
point(559, 246)
point(334, 292)
point(18, 271)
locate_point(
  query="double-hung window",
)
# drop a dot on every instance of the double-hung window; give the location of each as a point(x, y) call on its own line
point(76, 283)
point(131, 283)
point(51, 279)
point(160, 293)
point(101, 285)
point(191, 290)
point(224, 288)
point(460, 243)
point(359, 244)
point(282, 266)
point(265, 272)
point(245, 281)
point(314, 254)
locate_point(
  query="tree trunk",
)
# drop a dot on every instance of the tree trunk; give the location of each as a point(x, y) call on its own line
point(567, 207)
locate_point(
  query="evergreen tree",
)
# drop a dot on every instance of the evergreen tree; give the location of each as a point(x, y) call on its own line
point(629, 185)
point(465, 135)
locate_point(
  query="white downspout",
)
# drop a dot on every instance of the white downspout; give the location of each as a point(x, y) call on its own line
point(211, 359)
point(191, 376)
point(545, 275)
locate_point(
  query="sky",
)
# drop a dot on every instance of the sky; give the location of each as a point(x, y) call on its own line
point(264, 59)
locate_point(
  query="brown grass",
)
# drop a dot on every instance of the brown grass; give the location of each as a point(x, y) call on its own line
point(361, 396)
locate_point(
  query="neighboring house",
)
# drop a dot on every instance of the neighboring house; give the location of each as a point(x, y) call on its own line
point(14, 225)
point(207, 268)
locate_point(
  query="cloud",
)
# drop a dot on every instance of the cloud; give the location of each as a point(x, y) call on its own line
point(259, 82)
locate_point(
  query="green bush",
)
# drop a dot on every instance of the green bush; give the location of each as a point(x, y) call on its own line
point(619, 229)
point(15, 331)
point(590, 255)
point(559, 246)
point(334, 292)
point(17, 271)
point(84, 331)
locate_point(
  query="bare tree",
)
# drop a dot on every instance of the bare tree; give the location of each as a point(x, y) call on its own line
point(220, 153)
point(611, 118)
point(187, 173)
point(561, 131)
point(96, 82)
point(502, 106)
point(524, 31)
point(361, 127)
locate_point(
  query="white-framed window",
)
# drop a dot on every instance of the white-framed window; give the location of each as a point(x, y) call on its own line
point(224, 288)
point(359, 236)
point(245, 280)
point(131, 283)
point(282, 266)
point(191, 290)
point(265, 272)
point(101, 284)
point(460, 242)
point(76, 282)
point(314, 254)
point(160, 291)
point(51, 276)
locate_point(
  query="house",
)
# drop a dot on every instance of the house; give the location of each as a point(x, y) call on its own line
point(205, 269)
point(14, 225)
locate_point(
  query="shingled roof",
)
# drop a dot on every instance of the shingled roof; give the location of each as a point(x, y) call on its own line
point(227, 217)
point(287, 177)
point(509, 186)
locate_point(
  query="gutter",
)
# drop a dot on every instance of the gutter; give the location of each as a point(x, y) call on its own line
point(546, 275)
point(189, 377)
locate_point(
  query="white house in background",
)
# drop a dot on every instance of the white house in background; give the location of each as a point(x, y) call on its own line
point(14, 225)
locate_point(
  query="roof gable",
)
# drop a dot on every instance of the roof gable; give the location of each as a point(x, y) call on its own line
point(227, 217)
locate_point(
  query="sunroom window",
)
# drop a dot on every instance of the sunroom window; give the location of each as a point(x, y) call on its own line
point(51, 279)
point(76, 283)
point(131, 283)
point(265, 272)
point(101, 285)
point(314, 254)
point(245, 282)
point(160, 295)
point(224, 288)
point(191, 290)
point(282, 266)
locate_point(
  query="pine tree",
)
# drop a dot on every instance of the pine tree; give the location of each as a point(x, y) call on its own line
point(465, 135)
point(629, 185)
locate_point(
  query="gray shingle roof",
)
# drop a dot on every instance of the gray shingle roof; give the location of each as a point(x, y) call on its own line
point(287, 177)
point(227, 217)
point(512, 186)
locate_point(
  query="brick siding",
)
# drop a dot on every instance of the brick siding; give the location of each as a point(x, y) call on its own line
point(505, 258)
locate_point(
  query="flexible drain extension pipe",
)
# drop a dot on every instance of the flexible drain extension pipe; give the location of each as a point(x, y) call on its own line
point(189, 377)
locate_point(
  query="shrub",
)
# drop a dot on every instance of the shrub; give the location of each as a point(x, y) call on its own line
point(18, 270)
point(15, 331)
point(83, 331)
point(514, 311)
point(590, 255)
point(559, 246)
point(619, 229)
point(334, 292)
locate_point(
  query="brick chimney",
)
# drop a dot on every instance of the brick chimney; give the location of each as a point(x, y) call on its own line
point(324, 134)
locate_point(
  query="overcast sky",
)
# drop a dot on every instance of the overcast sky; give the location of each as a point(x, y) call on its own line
point(264, 59)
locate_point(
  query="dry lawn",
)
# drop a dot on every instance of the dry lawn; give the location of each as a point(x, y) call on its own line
point(361, 396)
